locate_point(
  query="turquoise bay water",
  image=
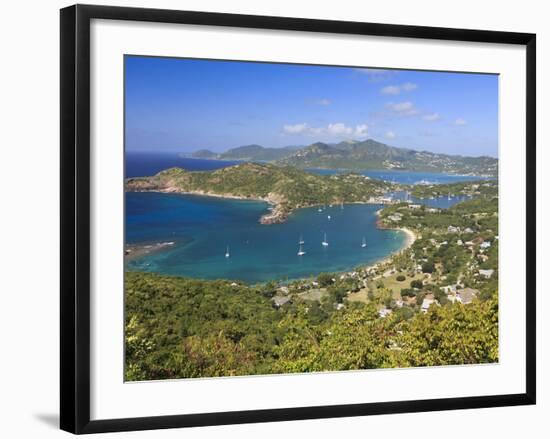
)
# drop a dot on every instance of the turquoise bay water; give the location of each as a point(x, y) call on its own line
point(202, 227)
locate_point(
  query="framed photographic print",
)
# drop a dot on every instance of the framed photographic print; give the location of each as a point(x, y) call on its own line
point(268, 218)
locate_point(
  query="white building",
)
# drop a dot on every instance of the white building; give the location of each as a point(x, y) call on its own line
point(487, 274)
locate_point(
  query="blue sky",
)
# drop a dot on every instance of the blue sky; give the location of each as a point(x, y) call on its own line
point(184, 105)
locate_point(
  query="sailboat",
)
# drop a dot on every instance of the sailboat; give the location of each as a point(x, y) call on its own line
point(342, 205)
point(325, 242)
point(301, 241)
point(301, 251)
point(449, 197)
point(364, 243)
point(227, 254)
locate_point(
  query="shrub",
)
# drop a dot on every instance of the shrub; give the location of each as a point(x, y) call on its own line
point(417, 283)
point(428, 267)
point(400, 278)
point(407, 292)
point(324, 279)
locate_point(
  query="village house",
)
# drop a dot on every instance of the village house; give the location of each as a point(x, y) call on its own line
point(415, 206)
point(426, 303)
point(466, 295)
point(279, 301)
point(384, 312)
point(487, 274)
point(449, 289)
point(485, 245)
point(453, 229)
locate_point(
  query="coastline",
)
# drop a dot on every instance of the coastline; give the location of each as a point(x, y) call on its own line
point(136, 251)
point(411, 238)
point(279, 212)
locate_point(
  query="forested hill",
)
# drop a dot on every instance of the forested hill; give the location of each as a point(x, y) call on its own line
point(188, 328)
point(286, 187)
point(370, 154)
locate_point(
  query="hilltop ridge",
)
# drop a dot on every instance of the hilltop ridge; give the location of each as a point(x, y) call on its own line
point(286, 188)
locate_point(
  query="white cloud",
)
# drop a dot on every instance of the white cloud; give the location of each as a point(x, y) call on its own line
point(295, 129)
point(409, 86)
point(397, 89)
point(406, 108)
point(361, 130)
point(336, 130)
point(376, 75)
point(339, 129)
point(460, 121)
point(323, 101)
point(390, 134)
point(430, 117)
point(390, 90)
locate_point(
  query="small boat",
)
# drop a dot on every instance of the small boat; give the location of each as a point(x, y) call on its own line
point(328, 216)
point(301, 241)
point(325, 242)
point(319, 210)
point(301, 251)
point(342, 206)
point(449, 197)
point(364, 243)
point(227, 254)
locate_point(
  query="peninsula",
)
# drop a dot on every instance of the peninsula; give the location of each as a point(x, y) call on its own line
point(285, 188)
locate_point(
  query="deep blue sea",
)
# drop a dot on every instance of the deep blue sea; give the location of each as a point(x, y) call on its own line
point(141, 164)
point(202, 228)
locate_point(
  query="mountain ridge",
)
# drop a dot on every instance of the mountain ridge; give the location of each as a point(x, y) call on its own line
point(359, 155)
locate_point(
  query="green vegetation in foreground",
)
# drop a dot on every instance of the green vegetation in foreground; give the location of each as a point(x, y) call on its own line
point(184, 328)
point(286, 187)
point(435, 303)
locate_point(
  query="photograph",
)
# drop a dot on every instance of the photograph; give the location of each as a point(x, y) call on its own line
point(289, 218)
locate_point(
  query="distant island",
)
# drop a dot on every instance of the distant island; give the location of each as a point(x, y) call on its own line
point(285, 188)
point(355, 155)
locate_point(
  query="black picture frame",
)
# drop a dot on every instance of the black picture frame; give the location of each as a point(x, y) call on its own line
point(75, 217)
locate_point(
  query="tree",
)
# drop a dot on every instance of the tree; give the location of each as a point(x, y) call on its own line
point(324, 279)
point(428, 267)
point(337, 294)
point(417, 283)
point(407, 292)
point(400, 278)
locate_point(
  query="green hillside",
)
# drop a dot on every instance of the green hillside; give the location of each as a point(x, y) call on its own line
point(286, 187)
point(370, 154)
